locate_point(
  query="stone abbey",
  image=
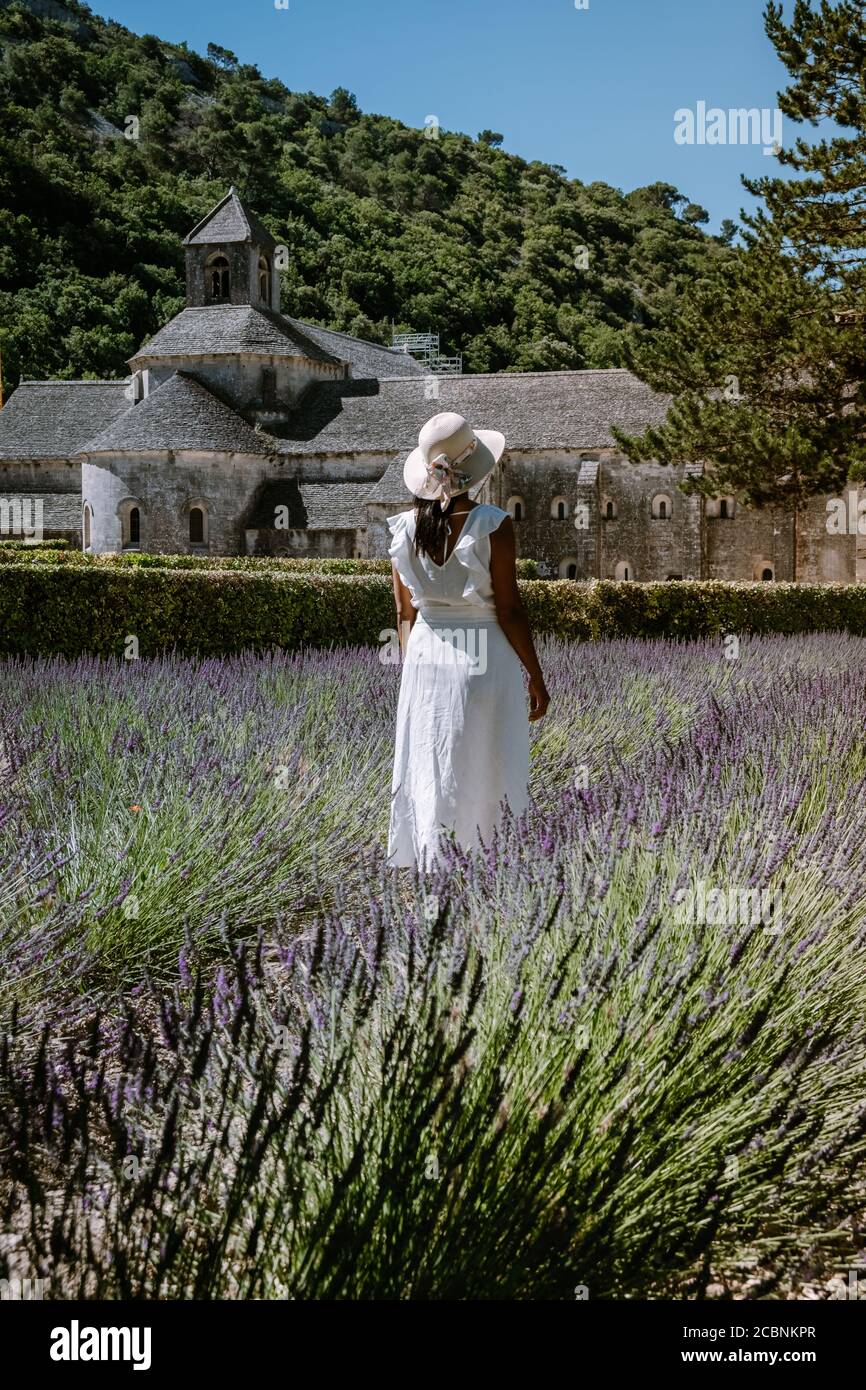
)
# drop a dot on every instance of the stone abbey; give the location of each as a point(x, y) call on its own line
point(243, 430)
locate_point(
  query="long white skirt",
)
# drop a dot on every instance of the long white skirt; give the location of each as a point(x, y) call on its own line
point(462, 737)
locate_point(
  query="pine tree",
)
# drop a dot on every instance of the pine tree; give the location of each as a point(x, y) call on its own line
point(821, 216)
point(765, 356)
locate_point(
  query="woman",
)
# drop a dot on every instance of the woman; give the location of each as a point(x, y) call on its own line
point(462, 739)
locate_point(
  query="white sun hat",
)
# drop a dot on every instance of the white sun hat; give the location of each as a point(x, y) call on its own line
point(451, 458)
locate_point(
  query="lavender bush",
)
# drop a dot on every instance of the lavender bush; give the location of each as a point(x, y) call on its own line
point(587, 1058)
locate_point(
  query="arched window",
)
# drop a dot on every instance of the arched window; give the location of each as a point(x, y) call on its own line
point(721, 507)
point(515, 508)
point(218, 278)
point(196, 526)
point(559, 509)
point(609, 509)
point(766, 572)
point(661, 507)
point(623, 570)
point(568, 568)
point(264, 281)
point(129, 513)
point(88, 516)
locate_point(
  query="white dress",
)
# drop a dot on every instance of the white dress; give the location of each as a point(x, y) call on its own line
point(462, 737)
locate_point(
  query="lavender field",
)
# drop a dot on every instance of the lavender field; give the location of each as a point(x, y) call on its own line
point(619, 1054)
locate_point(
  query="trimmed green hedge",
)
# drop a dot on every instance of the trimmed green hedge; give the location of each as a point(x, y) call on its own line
point(94, 608)
point(47, 553)
point(710, 608)
point(43, 545)
point(51, 609)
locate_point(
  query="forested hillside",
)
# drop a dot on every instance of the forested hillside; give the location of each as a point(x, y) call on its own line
point(383, 223)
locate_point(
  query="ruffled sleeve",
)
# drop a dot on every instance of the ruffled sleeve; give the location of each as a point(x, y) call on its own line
point(400, 551)
point(473, 550)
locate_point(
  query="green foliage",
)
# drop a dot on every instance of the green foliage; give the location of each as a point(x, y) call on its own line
point(67, 608)
point(691, 609)
point(764, 355)
point(821, 213)
point(55, 552)
point(240, 1059)
point(51, 547)
point(381, 221)
point(711, 608)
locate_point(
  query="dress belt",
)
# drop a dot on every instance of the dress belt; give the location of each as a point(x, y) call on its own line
point(465, 614)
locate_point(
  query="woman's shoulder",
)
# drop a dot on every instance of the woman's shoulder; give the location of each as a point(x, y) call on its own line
point(488, 517)
point(400, 521)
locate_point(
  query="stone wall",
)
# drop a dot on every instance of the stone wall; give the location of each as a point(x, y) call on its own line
point(655, 530)
point(748, 544)
point(301, 544)
point(165, 487)
point(691, 541)
point(339, 468)
point(585, 540)
point(239, 380)
point(377, 537)
point(825, 555)
point(243, 259)
point(39, 475)
point(537, 478)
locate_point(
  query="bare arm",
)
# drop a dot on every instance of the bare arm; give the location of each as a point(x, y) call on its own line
point(406, 614)
point(512, 615)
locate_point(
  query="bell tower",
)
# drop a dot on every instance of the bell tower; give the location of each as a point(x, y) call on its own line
point(230, 259)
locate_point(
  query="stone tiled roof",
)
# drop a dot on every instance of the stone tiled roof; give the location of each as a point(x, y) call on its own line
point(390, 487)
point(61, 511)
point(217, 330)
point(316, 506)
point(52, 419)
point(229, 221)
point(180, 414)
point(534, 410)
point(334, 506)
point(367, 359)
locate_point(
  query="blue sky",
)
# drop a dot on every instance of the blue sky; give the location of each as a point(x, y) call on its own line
point(594, 90)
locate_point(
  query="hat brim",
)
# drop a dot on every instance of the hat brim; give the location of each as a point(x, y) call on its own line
point(479, 465)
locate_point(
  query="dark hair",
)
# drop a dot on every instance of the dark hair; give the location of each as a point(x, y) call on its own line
point(430, 522)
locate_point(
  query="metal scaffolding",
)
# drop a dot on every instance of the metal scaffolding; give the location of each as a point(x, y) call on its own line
point(425, 348)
